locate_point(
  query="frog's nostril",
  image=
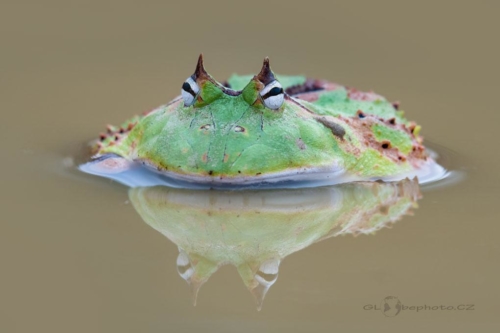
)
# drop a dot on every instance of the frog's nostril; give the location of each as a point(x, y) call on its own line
point(239, 129)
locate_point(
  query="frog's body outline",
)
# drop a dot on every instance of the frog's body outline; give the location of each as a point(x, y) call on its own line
point(266, 128)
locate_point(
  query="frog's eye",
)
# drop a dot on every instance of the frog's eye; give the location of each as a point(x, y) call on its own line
point(189, 91)
point(272, 95)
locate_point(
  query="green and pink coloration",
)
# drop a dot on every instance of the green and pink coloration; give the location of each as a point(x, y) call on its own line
point(267, 129)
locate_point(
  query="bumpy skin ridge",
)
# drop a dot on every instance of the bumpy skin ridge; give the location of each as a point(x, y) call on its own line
point(320, 125)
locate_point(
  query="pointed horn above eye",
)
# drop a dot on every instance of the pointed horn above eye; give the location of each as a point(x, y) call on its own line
point(200, 71)
point(266, 75)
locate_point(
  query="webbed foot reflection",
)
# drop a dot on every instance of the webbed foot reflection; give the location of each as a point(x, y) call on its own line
point(255, 230)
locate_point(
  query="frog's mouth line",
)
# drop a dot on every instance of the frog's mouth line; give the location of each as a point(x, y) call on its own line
point(137, 174)
point(297, 175)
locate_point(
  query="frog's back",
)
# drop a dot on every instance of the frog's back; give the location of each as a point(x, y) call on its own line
point(376, 125)
point(328, 98)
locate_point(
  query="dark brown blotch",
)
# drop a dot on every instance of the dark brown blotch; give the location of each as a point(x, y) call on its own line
point(360, 114)
point(386, 144)
point(306, 87)
point(384, 210)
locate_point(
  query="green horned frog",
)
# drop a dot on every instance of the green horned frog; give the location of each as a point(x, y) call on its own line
point(266, 129)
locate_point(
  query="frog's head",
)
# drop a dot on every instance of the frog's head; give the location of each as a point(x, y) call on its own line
point(263, 91)
point(216, 131)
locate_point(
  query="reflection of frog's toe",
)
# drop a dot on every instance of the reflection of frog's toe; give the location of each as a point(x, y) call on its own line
point(256, 230)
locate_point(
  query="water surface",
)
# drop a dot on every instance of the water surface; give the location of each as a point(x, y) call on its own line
point(77, 255)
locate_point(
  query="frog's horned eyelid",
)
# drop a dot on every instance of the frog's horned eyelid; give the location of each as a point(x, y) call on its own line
point(266, 75)
point(200, 68)
point(200, 74)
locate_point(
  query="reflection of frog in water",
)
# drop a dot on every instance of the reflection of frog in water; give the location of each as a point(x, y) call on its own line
point(267, 128)
point(256, 230)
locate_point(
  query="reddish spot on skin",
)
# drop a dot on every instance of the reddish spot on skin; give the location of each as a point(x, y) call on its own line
point(309, 97)
point(363, 128)
point(226, 158)
point(145, 113)
point(102, 136)
point(110, 129)
point(369, 96)
point(412, 127)
point(204, 158)
point(111, 165)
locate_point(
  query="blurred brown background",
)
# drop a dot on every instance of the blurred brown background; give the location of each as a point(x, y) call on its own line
point(75, 257)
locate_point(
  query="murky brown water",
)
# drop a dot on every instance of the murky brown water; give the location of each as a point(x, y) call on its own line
point(76, 256)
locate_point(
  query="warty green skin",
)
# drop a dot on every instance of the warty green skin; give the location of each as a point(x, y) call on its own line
point(229, 137)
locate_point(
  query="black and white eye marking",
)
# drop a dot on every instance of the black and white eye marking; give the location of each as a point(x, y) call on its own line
point(189, 91)
point(272, 95)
